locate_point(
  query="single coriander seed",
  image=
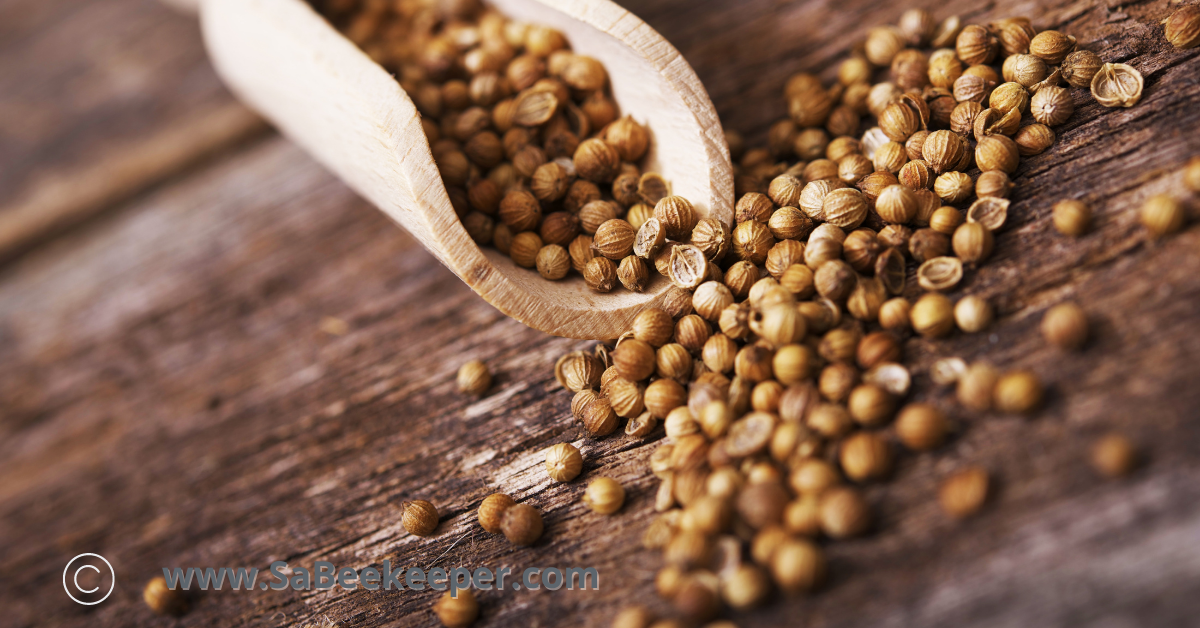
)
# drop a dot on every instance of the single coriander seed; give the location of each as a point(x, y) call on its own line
point(604, 495)
point(1065, 326)
point(1072, 218)
point(1191, 176)
point(1117, 85)
point(973, 314)
point(163, 600)
point(932, 315)
point(1018, 392)
point(633, 617)
point(420, 517)
point(1080, 67)
point(964, 493)
point(1162, 216)
point(474, 378)
point(491, 510)
point(1183, 27)
point(1052, 46)
point(797, 566)
point(865, 456)
point(457, 609)
point(564, 462)
point(921, 426)
point(1114, 456)
point(521, 524)
point(975, 386)
point(843, 513)
point(553, 262)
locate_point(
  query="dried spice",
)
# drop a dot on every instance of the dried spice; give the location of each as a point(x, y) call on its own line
point(1117, 85)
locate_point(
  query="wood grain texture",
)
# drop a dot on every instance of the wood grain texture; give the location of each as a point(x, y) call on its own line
point(168, 399)
point(352, 115)
point(99, 101)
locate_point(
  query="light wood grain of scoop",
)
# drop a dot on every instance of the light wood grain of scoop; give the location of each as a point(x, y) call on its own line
point(350, 114)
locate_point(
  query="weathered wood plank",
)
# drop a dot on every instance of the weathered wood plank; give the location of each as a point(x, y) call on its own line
point(169, 400)
point(98, 101)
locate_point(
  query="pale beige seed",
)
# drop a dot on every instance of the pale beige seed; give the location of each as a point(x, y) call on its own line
point(964, 493)
point(474, 378)
point(1114, 456)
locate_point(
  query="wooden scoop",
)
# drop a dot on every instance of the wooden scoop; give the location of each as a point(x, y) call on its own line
point(324, 93)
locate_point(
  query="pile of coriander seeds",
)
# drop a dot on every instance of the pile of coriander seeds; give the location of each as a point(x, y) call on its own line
point(775, 362)
point(781, 382)
point(535, 157)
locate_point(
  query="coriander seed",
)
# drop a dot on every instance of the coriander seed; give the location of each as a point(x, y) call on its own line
point(976, 45)
point(629, 138)
point(844, 513)
point(883, 42)
point(932, 315)
point(578, 371)
point(677, 216)
point(1191, 176)
point(525, 248)
point(420, 517)
point(491, 510)
point(997, 152)
point(797, 566)
point(564, 462)
point(876, 348)
point(692, 332)
point(633, 617)
point(1014, 34)
point(600, 274)
point(1114, 456)
point(865, 456)
point(953, 187)
point(596, 161)
point(553, 262)
point(1053, 105)
point(1183, 27)
point(973, 314)
point(976, 385)
point(457, 609)
point(1018, 392)
point(1117, 85)
point(664, 395)
point(674, 362)
point(972, 242)
point(521, 524)
point(164, 600)
point(633, 274)
point(870, 405)
point(947, 219)
point(940, 273)
point(1051, 46)
point(1034, 139)
point(598, 417)
point(894, 314)
point(1080, 67)
point(752, 241)
point(746, 587)
point(1162, 215)
point(921, 426)
point(474, 378)
point(1025, 69)
point(604, 495)
point(896, 204)
point(964, 493)
point(712, 238)
point(653, 327)
point(1065, 326)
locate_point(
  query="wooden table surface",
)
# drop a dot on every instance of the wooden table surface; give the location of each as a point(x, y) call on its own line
point(168, 397)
